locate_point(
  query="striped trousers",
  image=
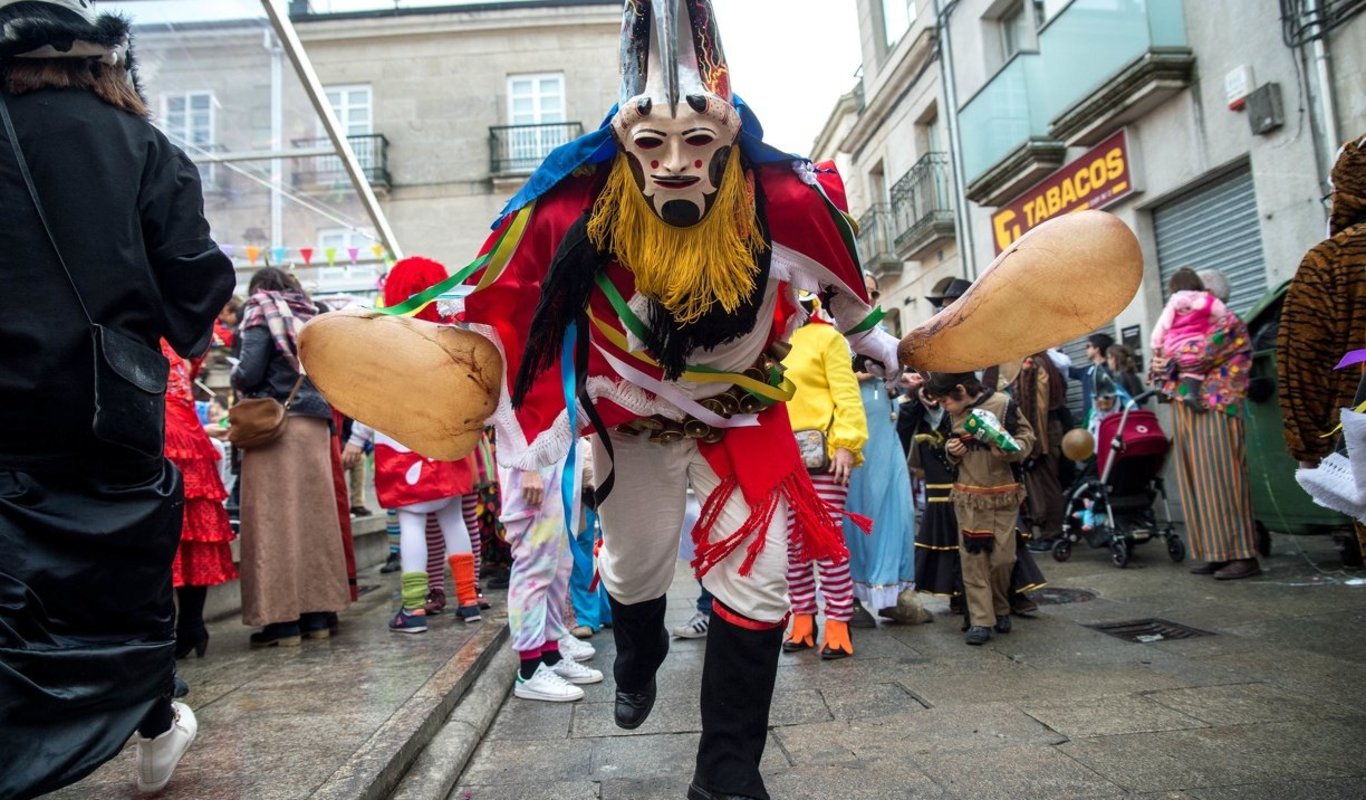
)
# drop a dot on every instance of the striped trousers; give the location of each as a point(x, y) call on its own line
point(835, 582)
point(1216, 495)
point(436, 544)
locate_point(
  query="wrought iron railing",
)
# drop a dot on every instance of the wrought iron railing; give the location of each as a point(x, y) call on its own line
point(875, 236)
point(372, 151)
point(521, 148)
point(922, 202)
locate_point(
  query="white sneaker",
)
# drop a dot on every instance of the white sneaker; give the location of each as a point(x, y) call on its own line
point(576, 673)
point(694, 628)
point(576, 649)
point(157, 758)
point(544, 684)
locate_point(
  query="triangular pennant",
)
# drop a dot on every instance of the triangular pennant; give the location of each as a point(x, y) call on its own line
point(253, 254)
point(306, 253)
point(354, 252)
point(331, 254)
point(279, 253)
point(378, 250)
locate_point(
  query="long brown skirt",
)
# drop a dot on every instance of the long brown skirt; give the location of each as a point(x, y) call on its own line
point(1216, 497)
point(292, 560)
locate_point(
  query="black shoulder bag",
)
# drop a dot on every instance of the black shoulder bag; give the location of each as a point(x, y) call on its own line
point(130, 377)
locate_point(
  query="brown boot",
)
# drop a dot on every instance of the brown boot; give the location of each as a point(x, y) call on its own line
point(837, 642)
point(1241, 568)
point(803, 634)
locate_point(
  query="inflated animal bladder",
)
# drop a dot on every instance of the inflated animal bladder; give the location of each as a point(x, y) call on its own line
point(1061, 280)
point(368, 366)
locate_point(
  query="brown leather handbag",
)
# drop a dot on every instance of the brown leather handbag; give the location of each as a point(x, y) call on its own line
point(258, 421)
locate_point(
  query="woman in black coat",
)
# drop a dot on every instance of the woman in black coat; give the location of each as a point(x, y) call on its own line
point(90, 511)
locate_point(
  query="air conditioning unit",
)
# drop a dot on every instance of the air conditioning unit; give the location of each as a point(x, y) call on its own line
point(1264, 111)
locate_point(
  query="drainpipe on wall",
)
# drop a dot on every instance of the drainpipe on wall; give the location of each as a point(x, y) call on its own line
point(962, 225)
point(1323, 72)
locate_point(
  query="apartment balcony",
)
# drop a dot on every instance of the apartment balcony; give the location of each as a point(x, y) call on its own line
point(323, 172)
point(875, 242)
point(1100, 65)
point(517, 150)
point(922, 207)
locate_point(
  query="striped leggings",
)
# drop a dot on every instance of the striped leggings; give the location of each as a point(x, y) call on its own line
point(436, 544)
point(836, 584)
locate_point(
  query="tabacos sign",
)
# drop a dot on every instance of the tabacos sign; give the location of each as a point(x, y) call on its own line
point(1099, 178)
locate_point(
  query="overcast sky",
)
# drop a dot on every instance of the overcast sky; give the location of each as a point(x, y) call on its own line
point(790, 59)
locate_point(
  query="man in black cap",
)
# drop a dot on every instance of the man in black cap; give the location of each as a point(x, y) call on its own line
point(947, 290)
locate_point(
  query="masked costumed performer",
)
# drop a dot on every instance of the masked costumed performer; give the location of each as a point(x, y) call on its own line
point(672, 243)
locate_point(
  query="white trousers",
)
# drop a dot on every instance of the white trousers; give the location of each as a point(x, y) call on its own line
point(642, 517)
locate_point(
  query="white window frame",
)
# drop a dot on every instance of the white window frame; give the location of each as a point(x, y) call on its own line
point(534, 144)
point(329, 168)
point(183, 136)
point(1014, 22)
point(892, 28)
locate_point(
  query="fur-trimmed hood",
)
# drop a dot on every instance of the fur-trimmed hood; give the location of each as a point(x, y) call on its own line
point(62, 29)
point(1349, 187)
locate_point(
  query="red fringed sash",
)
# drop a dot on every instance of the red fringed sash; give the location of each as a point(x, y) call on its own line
point(764, 463)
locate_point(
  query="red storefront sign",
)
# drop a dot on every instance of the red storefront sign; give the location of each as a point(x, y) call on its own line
point(1099, 178)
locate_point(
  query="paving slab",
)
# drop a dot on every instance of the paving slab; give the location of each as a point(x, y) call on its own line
point(1010, 773)
point(1248, 703)
point(1109, 715)
point(339, 718)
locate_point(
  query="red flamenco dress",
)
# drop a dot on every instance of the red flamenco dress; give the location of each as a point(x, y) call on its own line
point(204, 557)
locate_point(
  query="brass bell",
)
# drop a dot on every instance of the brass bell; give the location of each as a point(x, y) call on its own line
point(749, 404)
point(666, 436)
point(696, 429)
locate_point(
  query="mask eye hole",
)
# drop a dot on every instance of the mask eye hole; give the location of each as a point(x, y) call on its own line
point(648, 142)
point(700, 139)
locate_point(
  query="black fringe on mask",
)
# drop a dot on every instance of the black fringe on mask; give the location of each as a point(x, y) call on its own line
point(564, 295)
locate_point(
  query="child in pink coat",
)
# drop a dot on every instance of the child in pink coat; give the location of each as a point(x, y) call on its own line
point(1181, 334)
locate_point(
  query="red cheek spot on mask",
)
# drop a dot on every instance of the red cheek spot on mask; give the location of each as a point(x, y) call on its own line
point(697, 163)
point(654, 165)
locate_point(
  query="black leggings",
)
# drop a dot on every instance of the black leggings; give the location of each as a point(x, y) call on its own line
point(158, 720)
point(190, 615)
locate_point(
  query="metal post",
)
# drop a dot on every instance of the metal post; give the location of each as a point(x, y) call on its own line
point(289, 38)
point(1323, 71)
point(277, 133)
point(962, 223)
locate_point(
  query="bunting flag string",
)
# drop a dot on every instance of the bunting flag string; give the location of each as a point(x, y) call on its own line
point(277, 256)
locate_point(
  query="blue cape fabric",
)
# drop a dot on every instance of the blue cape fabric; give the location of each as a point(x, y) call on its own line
point(599, 147)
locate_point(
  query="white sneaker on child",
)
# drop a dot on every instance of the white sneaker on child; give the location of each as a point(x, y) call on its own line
point(695, 628)
point(157, 758)
point(576, 673)
point(544, 684)
point(576, 649)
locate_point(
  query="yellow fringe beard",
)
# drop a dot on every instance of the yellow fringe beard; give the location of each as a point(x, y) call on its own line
point(687, 270)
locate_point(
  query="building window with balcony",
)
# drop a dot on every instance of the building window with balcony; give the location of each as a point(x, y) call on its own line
point(354, 107)
point(897, 16)
point(536, 124)
point(1015, 29)
point(187, 118)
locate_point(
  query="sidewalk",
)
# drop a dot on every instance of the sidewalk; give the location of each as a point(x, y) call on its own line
point(1270, 705)
point(340, 719)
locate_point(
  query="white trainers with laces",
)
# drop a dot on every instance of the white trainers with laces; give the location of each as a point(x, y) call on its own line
point(157, 758)
point(576, 649)
point(695, 628)
point(544, 684)
point(576, 673)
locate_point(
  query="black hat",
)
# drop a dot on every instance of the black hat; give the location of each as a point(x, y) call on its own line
point(947, 290)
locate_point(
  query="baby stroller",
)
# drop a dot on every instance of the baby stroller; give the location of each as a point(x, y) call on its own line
point(1115, 509)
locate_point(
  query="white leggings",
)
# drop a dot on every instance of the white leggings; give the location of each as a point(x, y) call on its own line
point(412, 531)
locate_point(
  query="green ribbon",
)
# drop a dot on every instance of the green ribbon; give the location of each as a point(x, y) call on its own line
point(420, 300)
point(868, 323)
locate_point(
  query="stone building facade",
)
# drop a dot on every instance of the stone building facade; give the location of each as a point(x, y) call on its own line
point(448, 110)
point(1209, 127)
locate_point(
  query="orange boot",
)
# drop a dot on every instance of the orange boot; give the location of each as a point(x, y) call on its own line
point(837, 642)
point(466, 591)
point(803, 635)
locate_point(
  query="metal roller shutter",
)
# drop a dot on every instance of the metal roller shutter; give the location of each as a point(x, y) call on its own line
point(1215, 227)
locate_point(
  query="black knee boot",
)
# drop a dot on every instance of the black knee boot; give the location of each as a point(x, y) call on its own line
point(642, 643)
point(190, 633)
point(737, 689)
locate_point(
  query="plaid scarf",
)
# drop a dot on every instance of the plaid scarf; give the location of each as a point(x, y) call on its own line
point(283, 313)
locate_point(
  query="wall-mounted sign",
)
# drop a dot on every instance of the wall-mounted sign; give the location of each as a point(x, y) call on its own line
point(1099, 178)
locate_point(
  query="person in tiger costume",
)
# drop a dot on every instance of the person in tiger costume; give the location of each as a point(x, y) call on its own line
point(1323, 318)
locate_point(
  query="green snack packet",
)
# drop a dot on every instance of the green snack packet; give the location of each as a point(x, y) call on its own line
point(985, 427)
